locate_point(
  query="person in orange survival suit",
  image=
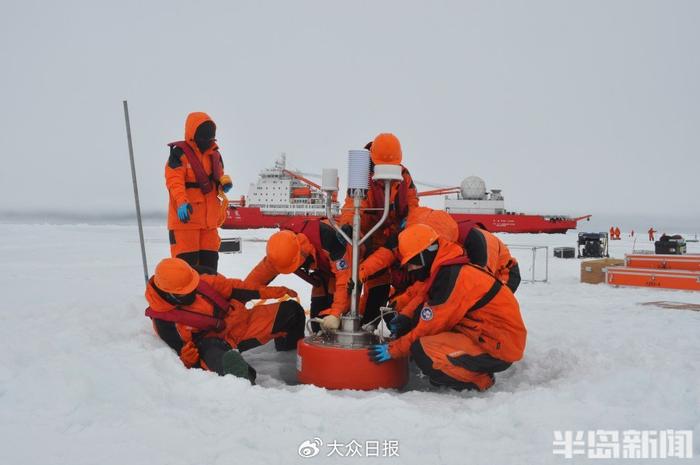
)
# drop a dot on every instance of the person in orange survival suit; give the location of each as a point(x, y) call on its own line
point(312, 250)
point(470, 326)
point(617, 233)
point(488, 251)
point(481, 247)
point(194, 176)
point(384, 149)
point(404, 284)
point(204, 319)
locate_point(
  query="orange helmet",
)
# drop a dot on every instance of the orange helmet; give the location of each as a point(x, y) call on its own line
point(443, 224)
point(386, 150)
point(418, 215)
point(285, 252)
point(175, 276)
point(415, 239)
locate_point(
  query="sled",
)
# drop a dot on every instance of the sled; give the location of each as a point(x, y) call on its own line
point(654, 278)
point(671, 262)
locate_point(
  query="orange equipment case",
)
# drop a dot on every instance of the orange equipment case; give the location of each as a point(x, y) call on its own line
point(690, 262)
point(654, 278)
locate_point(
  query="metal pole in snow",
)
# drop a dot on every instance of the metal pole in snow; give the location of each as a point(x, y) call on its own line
point(136, 191)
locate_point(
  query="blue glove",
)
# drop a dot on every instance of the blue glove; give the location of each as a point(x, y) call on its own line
point(400, 325)
point(226, 183)
point(183, 212)
point(379, 353)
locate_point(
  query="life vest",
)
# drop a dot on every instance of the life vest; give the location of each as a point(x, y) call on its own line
point(312, 230)
point(400, 204)
point(193, 317)
point(464, 260)
point(465, 227)
point(204, 181)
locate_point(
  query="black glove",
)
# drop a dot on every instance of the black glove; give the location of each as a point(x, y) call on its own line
point(392, 242)
point(400, 325)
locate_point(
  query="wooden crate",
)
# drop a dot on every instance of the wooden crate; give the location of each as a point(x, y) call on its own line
point(593, 271)
point(667, 262)
point(654, 278)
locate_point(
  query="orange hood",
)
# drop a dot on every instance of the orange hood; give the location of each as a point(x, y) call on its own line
point(155, 301)
point(446, 251)
point(194, 120)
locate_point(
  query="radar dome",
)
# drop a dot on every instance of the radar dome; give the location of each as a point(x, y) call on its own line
point(473, 188)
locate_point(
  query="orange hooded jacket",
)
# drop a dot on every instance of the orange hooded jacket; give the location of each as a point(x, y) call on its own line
point(497, 326)
point(440, 221)
point(180, 179)
point(337, 280)
point(234, 321)
point(487, 250)
point(369, 218)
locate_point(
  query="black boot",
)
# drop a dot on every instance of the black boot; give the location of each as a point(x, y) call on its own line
point(192, 258)
point(290, 319)
point(233, 364)
point(210, 259)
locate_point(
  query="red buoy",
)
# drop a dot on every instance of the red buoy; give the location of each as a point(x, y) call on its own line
point(333, 366)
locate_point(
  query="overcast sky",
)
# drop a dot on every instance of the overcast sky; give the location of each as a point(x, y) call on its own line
point(569, 107)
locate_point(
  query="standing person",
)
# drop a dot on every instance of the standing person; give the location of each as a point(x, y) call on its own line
point(651, 234)
point(469, 326)
point(204, 319)
point(403, 198)
point(194, 176)
point(612, 233)
point(617, 233)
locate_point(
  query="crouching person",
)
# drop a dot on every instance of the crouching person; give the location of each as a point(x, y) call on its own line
point(204, 319)
point(469, 326)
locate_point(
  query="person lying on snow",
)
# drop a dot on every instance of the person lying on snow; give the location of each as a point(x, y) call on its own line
point(469, 325)
point(204, 319)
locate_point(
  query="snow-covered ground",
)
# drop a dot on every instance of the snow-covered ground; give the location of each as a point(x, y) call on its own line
point(83, 380)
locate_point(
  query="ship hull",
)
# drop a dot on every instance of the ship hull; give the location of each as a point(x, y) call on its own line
point(519, 223)
point(253, 218)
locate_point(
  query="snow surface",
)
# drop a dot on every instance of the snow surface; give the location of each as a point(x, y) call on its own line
point(83, 380)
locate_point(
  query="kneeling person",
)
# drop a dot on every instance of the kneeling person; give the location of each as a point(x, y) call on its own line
point(469, 326)
point(312, 250)
point(204, 319)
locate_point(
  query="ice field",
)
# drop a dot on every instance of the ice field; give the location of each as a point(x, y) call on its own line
point(84, 380)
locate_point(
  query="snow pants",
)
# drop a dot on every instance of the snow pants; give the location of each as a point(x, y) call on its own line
point(198, 247)
point(321, 299)
point(454, 360)
point(283, 322)
point(375, 295)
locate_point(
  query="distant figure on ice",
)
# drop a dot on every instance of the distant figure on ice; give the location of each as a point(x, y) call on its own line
point(617, 233)
point(469, 325)
point(204, 319)
point(651, 233)
point(612, 233)
point(194, 176)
